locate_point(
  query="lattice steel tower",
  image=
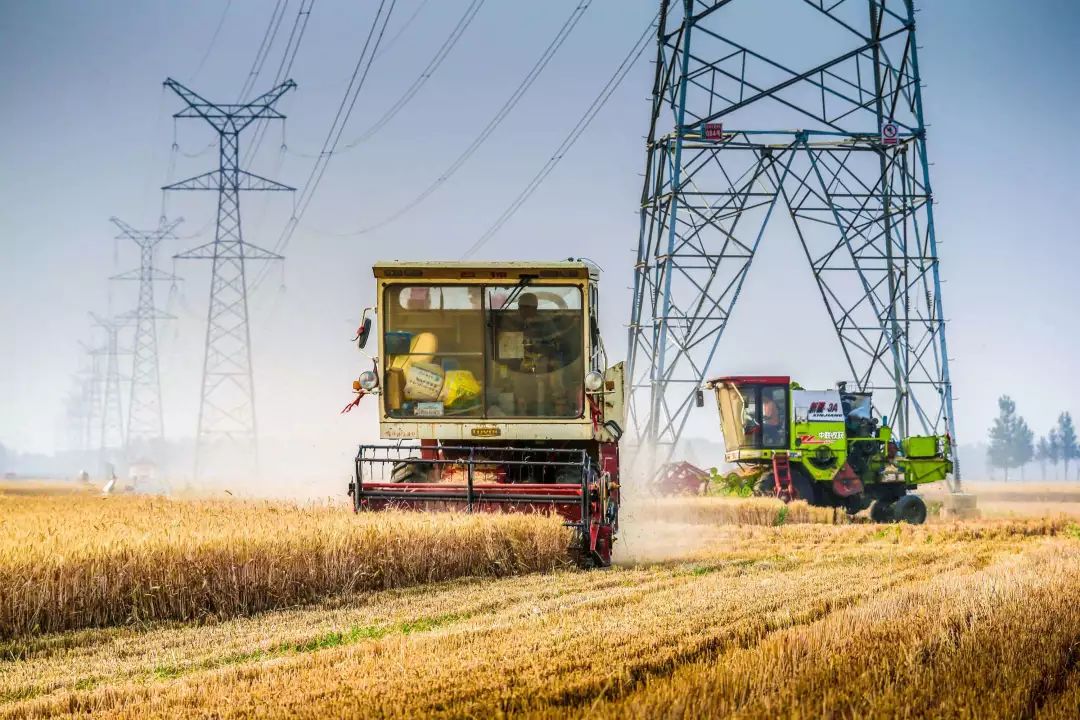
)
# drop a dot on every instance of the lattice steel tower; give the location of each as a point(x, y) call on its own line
point(112, 440)
point(145, 421)
point(93, 381)
point(816, 113)
point(227, 403)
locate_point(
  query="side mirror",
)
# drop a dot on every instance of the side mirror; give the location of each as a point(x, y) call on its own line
point(614, 428)
point(363, 331)
point(699, 397)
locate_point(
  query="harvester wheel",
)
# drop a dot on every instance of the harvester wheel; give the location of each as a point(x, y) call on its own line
point(910, 509)
point(882, 512)
point(585, 559)
point(804, 487)
point(766, 486)
point(411, 472)
point(857, 503)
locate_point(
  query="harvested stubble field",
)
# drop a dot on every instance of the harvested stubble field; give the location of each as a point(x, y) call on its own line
point(1018, 499)
point(970, 620)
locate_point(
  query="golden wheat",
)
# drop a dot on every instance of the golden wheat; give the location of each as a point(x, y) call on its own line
point(997, 643)
point(730, 511)
point(72, 561)
point(830, 606)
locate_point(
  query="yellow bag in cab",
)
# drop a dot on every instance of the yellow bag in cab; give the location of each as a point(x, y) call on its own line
point(422, 349)
point(460, 388)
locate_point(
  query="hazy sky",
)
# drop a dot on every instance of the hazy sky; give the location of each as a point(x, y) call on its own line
point(86, 132)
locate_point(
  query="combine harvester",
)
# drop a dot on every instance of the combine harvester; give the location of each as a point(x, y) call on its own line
point(494, 386)
point(825, 447)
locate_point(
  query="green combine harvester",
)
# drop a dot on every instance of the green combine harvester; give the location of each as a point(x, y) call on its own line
point(825, 447)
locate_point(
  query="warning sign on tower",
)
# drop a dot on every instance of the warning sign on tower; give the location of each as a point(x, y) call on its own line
point(889, 133)
point(714, 131)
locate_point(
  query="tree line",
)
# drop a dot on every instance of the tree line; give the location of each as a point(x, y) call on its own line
point(1013, 443)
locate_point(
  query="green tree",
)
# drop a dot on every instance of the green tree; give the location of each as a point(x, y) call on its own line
point(1066, 433)
point(1042, 455)
point(1002, 436)
point(1054, 449)
point(1023, 441)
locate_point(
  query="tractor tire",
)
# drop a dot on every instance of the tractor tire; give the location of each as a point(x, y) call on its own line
point(882, 512)
point(910, 509)
point(411, 472)
point(804, 486)
point(857, 503)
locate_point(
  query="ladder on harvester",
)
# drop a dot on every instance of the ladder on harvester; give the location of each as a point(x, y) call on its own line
point(781, 466)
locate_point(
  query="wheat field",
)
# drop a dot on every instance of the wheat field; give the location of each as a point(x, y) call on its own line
point(81, 560)
point(709, 510)
point(967, 620)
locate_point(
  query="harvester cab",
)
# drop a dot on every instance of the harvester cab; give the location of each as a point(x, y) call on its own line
point(494, 386)
point(826, 447)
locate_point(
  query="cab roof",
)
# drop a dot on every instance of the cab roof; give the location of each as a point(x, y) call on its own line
point(750, 380)
point(459, 269)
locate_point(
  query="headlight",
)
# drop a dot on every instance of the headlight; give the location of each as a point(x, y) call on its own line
point(369, 380)
point(594, 381)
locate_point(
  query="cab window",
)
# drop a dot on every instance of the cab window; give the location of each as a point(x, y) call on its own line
point(467, 351)
point(755, 416)
point(536, 366)
point(432, 350)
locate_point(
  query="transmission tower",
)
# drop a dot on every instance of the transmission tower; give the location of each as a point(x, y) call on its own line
point(77, 409)
point(113, 445)
point(145, 421)
point(227, 403)
point(93, 380)
point(747, 126)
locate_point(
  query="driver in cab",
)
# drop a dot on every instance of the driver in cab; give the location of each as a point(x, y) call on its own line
point(538, 388)
point(771, 430)
point(538, 335)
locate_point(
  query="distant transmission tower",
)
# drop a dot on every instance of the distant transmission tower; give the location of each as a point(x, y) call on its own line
point(227, 404)
point(113, 446)
point(78, 410)
point(93, 381)
point(835, 138)
point(145, 421)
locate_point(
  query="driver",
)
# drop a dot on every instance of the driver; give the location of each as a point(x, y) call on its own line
point(539, 336)
point(771, 422)
point(771, 430)
point(539, 389)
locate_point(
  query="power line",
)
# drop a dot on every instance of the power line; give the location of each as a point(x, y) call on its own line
point(337, 127)
point(292, 46)
point(568, 142)
point(213, 40)
point(264, 48)
point(507, 107)
point(198, 153)
point(345, 108)
point(425, 75)
point(401, 30)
